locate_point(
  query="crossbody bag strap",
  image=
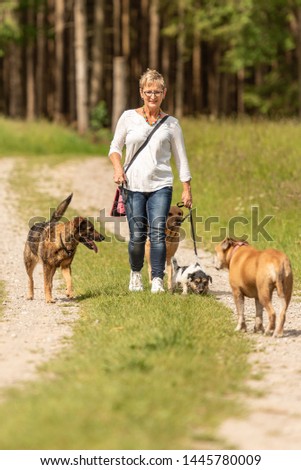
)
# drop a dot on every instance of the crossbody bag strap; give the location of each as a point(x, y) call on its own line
point(146, 141)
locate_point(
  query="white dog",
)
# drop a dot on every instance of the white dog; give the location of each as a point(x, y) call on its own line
point(190, 277)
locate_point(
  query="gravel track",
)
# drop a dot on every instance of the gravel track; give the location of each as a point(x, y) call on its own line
point(32, 332)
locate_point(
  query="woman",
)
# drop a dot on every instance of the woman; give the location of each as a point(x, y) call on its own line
point(149, 179)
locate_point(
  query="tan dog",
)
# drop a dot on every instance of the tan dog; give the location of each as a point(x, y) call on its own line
point(54, 244)
point(173, 224)
point(256, 274)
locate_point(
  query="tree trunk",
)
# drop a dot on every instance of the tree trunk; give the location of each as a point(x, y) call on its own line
point(144, 41)
point(240, 92)
point(166, 65)
point(225, 94)
point(97, 72)
point(116, 28)
point(70, 78)
point(81, 65)
point(40, 67)
point(119, 88)
point(258, 75)
point(30, 81)
point(213, 81)
point(59, 59)
point(126, 48)
point(14, 81)
point(180, 63)
point(154, 33)
point(197, 91)
point(125, 29)
point(134, 63)
point(2, 87)
point(50, 60)
point(299, 57)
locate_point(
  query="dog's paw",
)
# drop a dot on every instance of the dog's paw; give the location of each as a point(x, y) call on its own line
point(258, 329)
point(241, 327)
point(268, 332)
point(50, 301)
point(278, 334)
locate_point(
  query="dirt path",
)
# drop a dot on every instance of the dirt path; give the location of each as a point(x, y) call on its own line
point(273, 421)
point(31, 332)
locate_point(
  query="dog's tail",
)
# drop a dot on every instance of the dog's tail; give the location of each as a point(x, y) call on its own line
point(284, 281)
point(60, 210)
point(284, 286)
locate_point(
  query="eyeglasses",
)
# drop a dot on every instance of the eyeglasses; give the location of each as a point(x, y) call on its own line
point(155, 93)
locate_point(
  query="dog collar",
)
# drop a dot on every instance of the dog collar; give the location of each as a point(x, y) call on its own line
point(171, 233)
point(236, 246)
point(69, 252)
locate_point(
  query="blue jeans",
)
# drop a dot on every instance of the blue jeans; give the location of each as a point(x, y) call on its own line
point(146, 215)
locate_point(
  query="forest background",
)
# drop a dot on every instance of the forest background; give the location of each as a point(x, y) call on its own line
point(78, 61)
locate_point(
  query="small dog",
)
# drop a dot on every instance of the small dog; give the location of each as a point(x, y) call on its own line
point(54, 244)
point(173, 224)
point(256, 274)
point(190, 278)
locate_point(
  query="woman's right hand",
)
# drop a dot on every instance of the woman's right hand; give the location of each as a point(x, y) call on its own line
point(119, 176)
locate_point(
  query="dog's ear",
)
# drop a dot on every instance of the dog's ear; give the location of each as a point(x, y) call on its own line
point(77, 221)
point(80, 224)
point(225, 245)
point(209, 278)
point(83, 224)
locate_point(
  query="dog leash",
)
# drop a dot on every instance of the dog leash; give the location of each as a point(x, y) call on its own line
point(181, 204)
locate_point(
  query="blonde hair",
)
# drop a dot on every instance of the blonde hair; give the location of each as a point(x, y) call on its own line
point(151, 76)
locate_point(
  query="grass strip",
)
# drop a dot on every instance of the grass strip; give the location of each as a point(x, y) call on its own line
point(41, 138)
point(145, 371)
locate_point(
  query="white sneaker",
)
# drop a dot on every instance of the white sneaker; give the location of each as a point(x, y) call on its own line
point(157, 285)
point(135, 284)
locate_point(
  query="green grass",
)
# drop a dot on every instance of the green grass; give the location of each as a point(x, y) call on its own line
point(144, 371)
point(148, 371)
point(41, 139)
point(237, 165)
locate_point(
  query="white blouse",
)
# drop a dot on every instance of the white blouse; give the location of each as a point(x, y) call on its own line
point(151, 170)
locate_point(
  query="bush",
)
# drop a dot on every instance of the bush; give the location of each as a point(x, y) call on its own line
point(99, 116)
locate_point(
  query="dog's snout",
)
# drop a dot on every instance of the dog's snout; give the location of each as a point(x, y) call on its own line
point(98, 237)
point(217, 262)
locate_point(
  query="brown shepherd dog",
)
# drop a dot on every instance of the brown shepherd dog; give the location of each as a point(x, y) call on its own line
point(54, 244)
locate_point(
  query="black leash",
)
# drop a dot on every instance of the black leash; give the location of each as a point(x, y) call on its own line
point(181, 204)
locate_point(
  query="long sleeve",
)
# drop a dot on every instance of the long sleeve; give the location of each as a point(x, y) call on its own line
point(118, 141)
point(179, 152)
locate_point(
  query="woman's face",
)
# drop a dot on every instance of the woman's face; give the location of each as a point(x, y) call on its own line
point(152, 94)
